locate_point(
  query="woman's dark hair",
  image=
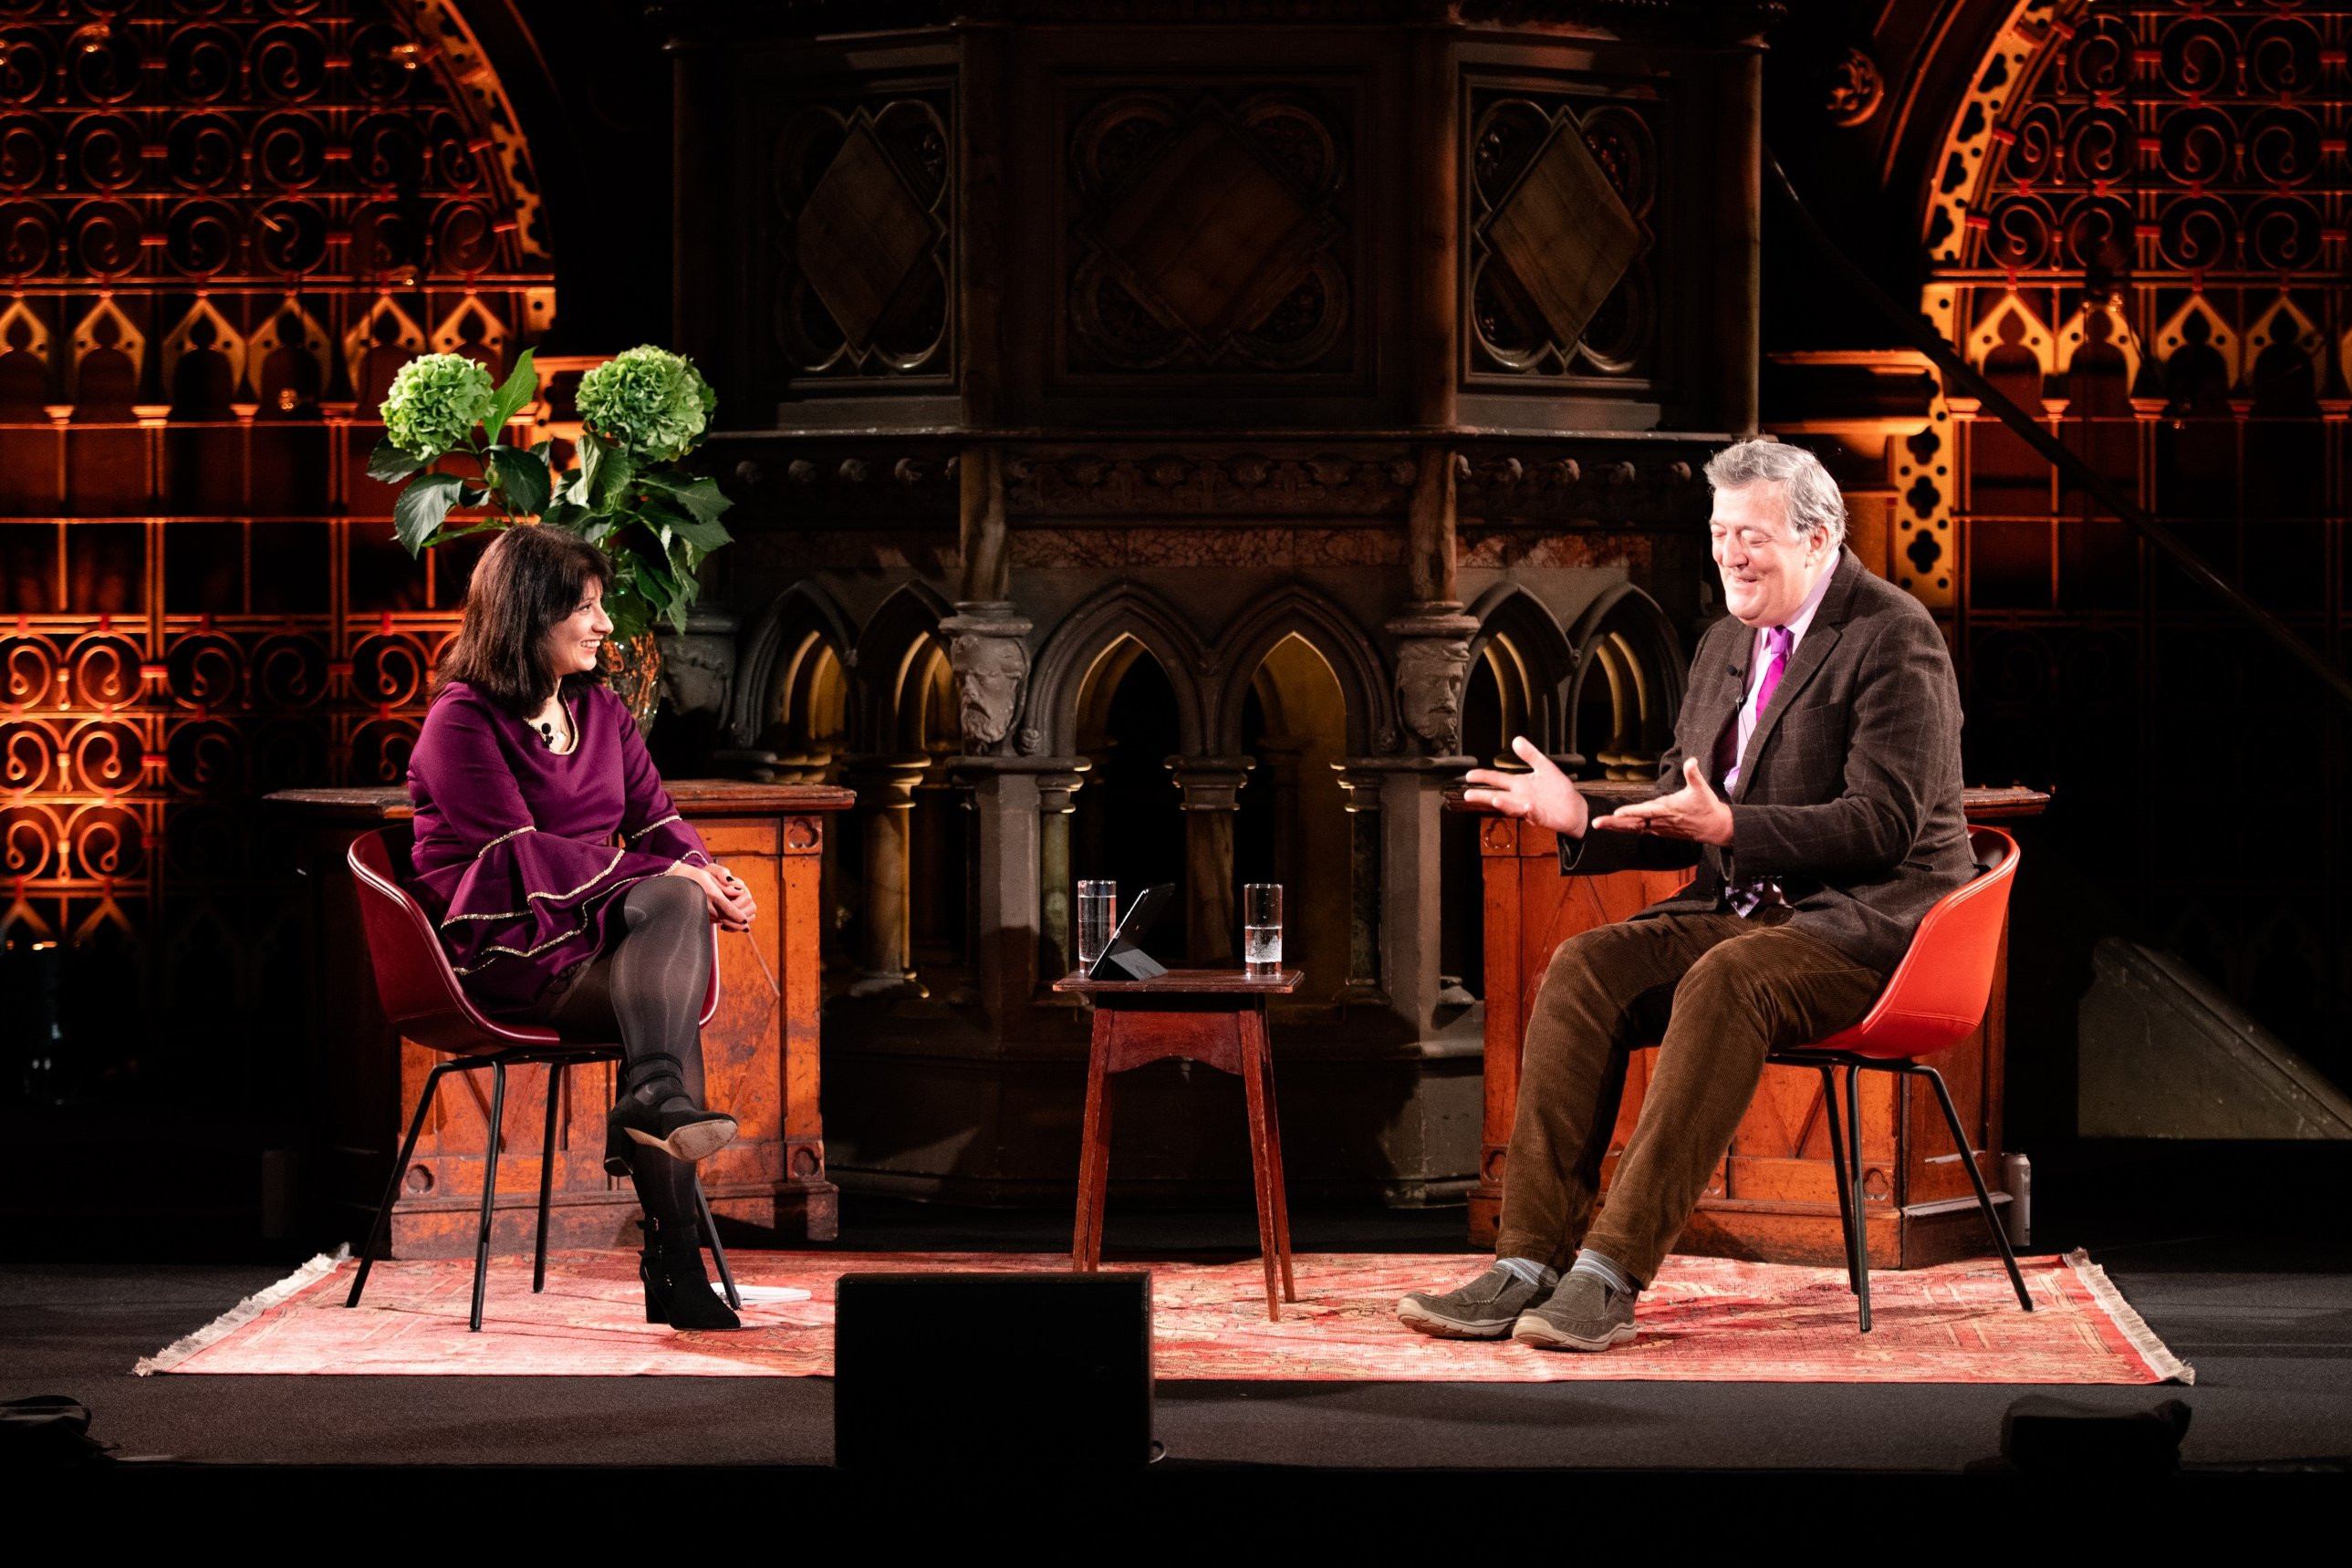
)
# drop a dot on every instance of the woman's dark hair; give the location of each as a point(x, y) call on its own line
point(530, 579)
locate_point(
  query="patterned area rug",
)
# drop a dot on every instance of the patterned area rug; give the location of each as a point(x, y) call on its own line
point(1705, 1320)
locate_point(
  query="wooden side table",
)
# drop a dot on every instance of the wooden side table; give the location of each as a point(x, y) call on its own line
point(1217, 1017)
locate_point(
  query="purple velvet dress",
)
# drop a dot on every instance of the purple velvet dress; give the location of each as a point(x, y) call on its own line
point(522, 855)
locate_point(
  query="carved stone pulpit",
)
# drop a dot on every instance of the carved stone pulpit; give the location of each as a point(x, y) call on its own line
point(1077, 346)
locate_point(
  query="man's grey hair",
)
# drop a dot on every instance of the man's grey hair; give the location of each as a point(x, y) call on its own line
point(1809, 493)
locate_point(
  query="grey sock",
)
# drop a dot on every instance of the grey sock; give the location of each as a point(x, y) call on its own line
point(1603, 1269)
point(1530, 1272)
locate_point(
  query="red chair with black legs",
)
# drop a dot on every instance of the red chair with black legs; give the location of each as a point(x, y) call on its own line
point(1935, 1000)
point(420, 996)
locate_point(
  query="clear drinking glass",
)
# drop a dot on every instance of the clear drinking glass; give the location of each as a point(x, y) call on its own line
point(1262, 929)
point(1098, 918)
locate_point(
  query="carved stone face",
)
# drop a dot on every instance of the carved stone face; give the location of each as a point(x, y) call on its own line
point(694, 674)
point(1430, 672)
point(989, 672)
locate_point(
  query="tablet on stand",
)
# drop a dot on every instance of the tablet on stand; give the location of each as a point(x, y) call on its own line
point(1121, 958)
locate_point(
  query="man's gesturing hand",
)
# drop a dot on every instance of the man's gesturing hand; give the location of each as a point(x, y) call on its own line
point(1694, 812)
point(1543, 796)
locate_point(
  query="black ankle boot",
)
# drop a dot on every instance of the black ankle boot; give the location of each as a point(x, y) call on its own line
point(659, 1116)
point(677, 1292)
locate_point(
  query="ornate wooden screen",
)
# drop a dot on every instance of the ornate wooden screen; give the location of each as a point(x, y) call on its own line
point(221, 226)
point(2138, 227)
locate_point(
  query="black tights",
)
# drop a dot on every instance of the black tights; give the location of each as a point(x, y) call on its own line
point(648, 991)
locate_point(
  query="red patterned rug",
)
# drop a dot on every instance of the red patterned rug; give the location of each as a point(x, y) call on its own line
point(1706, 1319)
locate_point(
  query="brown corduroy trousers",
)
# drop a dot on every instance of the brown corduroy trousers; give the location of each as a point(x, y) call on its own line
point(1727, 989)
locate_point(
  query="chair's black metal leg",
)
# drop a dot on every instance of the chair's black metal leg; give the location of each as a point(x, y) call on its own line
point(380, 1233)
point(717, 1254)
point(490, 1189)
point(1976, 1180)
point(555, 1070)
point(1837, 1161)
point(1861, 1198)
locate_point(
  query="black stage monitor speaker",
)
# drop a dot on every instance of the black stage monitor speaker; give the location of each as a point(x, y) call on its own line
point(942, 1372)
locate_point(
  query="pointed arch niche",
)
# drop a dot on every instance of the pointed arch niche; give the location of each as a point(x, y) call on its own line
point(1127, 823)
point(792, 700)
point(1626, 688)
point(904, 721)
point(1520, 669)
point(1292, 826)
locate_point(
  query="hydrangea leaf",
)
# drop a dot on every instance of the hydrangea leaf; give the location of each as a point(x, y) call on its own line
point(523, 479)
point(418, 513)
point(700, 496)
point(520, 388)
point(391, 462)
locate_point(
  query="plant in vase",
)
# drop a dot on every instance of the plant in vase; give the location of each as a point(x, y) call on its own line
point(641, 413)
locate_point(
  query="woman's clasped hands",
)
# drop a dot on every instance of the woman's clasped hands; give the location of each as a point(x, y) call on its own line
point(730, 901)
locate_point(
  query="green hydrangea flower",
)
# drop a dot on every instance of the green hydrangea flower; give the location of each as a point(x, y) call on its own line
point(651, 403)
point(435, 403)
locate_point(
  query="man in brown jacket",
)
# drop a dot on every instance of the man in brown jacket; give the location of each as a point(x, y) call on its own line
point(1815, 784)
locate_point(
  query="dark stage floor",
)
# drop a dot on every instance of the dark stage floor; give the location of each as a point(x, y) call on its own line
point(2267, 1325)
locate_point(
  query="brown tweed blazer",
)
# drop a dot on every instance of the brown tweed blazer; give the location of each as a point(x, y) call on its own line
point(1849, 794)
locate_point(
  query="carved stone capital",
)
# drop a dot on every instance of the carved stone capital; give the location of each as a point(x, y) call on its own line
point(885, 781)
point(1211, 783)
point(1433, 663)
point(990, 660)
point(1058, 791)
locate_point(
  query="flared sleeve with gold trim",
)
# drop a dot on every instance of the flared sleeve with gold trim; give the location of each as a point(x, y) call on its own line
point(649, 822)
point(519, 856)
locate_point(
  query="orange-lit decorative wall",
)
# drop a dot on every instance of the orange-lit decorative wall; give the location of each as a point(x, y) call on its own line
point(221, 226)
point(2133, 219)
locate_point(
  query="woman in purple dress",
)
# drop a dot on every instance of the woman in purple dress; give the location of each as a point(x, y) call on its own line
point(566, 888)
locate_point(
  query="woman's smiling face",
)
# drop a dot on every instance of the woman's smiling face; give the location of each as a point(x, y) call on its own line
point(575, 642)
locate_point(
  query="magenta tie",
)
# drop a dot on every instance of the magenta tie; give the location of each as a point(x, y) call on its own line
point(1777, 640)
point(1777, 643)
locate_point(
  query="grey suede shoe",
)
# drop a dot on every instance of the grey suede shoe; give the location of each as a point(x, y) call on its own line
point(1486, 1308)
point(1583, 1313)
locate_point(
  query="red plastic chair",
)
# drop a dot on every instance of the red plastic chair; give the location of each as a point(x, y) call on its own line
point(1934, 999)
point(420, 996)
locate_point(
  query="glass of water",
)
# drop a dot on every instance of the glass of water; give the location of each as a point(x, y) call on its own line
point(1262, 929)
point(1098, 918)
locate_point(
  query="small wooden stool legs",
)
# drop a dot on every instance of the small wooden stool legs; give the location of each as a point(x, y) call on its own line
point(1230, 1038)
point(1266, 1160)
point(1093, 1152)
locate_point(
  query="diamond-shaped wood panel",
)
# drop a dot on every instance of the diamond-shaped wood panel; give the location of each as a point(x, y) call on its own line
point(1209, 235)
point(860, 236)
point(1565, 234)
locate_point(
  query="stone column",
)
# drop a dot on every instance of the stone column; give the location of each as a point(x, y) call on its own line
point(1435, 172)
point(1739, 233)
point(1055, 796)
point(1280, 754)
point(696, 266)
point(1410, 793)
point(1363, 793)
point(1433, 659)
point(1007, 856)
point(1211, 787)
point(938, 802)
point(885, 797)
